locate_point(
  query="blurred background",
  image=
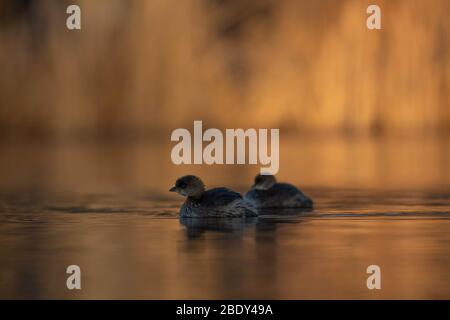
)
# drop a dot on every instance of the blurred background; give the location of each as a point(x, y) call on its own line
point(85, 123)
point(93, 109)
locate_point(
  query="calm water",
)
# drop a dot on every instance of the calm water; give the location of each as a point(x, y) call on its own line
point(134, 246)
point(106, 208)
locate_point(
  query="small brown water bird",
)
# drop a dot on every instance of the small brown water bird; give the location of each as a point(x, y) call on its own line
point(216, 202)
point(267, 193)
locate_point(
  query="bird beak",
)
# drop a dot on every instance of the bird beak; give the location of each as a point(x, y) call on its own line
point(173, 189)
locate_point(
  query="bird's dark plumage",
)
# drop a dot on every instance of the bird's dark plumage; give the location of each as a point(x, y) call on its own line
point(216, 202)
point(266, 193)
point(219, 197)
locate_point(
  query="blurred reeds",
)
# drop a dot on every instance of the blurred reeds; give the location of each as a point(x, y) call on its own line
point(141, 67)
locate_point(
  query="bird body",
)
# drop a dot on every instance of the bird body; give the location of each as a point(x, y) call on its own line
point(267, 193)
point(216, 202)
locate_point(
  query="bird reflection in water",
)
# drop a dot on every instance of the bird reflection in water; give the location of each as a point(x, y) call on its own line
point(267, 221)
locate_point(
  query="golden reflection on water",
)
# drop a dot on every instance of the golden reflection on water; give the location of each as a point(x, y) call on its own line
point(143, 257)
point(390, 163)
point(106, 208)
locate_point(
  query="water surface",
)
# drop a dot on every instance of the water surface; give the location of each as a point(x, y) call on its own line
point(134, 246)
